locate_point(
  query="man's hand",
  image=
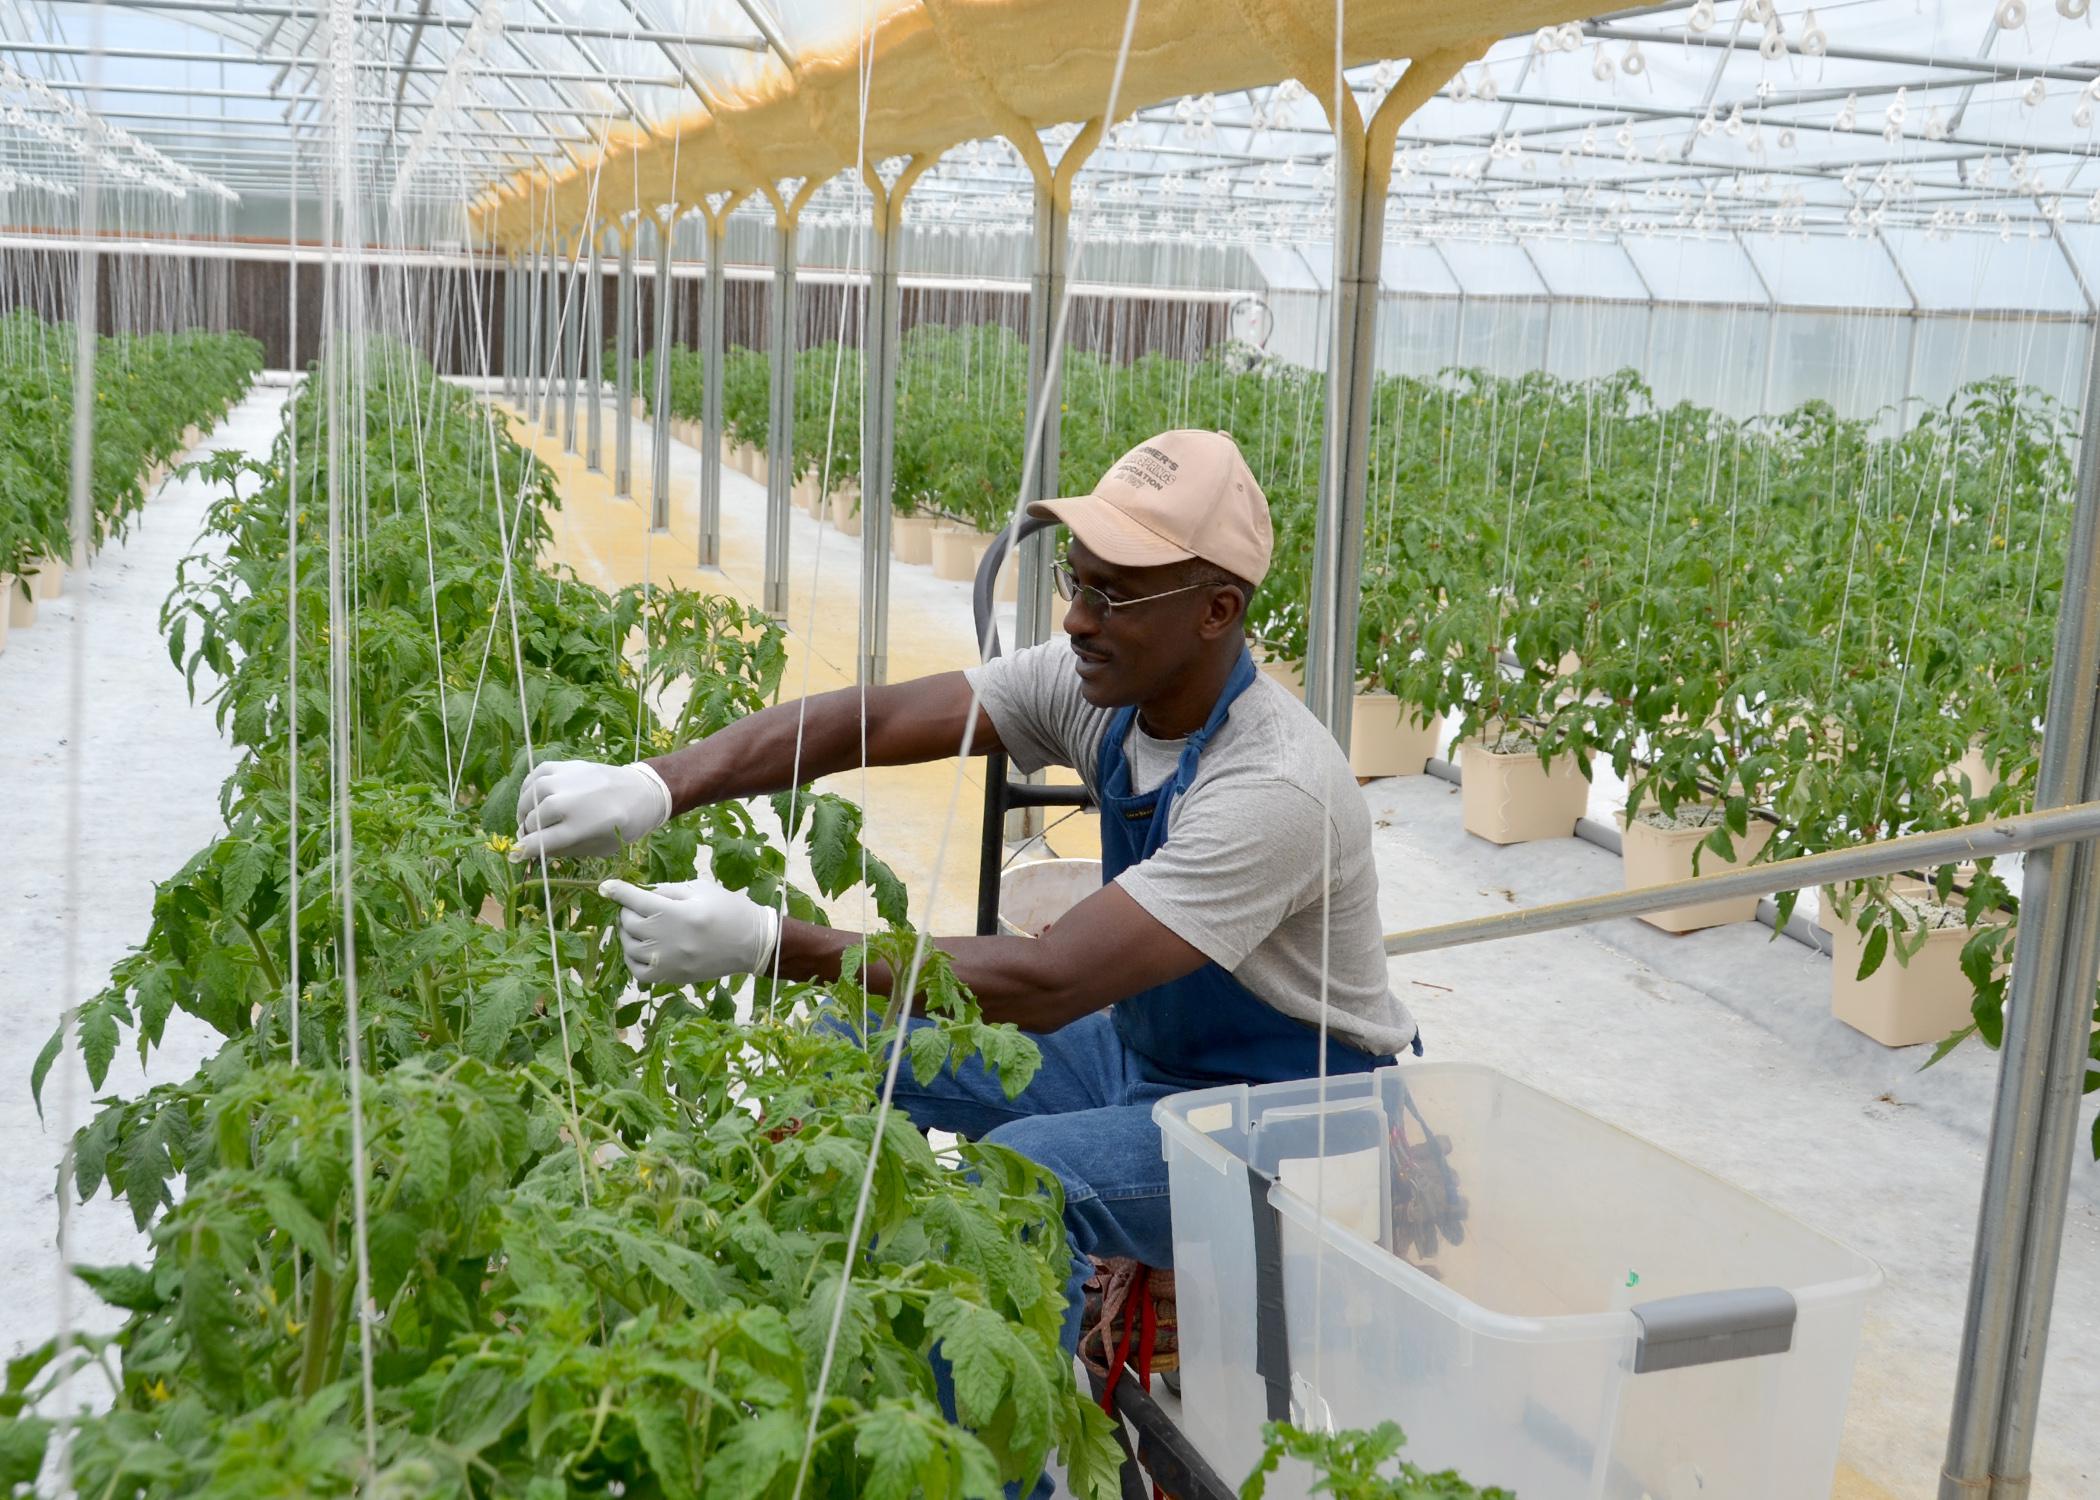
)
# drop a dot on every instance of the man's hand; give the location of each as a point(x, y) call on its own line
point(583, 808)
point(692, 931)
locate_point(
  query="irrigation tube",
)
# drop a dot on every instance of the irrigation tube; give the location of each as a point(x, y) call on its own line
point(1989, 840)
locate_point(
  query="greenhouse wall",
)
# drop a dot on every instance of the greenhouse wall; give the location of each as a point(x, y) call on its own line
point(1738, 359)
point(253, 294)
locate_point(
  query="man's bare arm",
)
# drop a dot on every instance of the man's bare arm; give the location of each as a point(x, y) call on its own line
point(907, 723)
point(1105, 949)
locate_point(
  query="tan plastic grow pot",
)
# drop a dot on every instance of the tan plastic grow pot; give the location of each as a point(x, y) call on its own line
point(911, 539)
point(1385, 740)
point(21, 602)
point(845, 513)
point(50, 578)
point(1658, 856)
point(1512, 799)
point(955, 552)
point(1826, 900)
point(1899, 1004)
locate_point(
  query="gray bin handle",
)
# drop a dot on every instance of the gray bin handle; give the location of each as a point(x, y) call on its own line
point(1707, 1328)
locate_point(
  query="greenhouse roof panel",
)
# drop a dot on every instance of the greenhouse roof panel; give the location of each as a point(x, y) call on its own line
point(1416, 267)
point(1694, 122)
point(2001, 273)
point(1684, 269)
point(1589, 269)
point(1496, 269)
point(1828, 272)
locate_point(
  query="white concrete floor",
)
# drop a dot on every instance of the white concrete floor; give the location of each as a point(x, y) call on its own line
point(151, 765)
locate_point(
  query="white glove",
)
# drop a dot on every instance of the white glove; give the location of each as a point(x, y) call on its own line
point(692, 931)
point(583, 808)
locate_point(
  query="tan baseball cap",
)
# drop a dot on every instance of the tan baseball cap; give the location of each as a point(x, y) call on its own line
point(1179, 495)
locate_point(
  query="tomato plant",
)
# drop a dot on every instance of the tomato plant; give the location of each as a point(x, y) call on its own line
point(606, 1232)
point(149, 389)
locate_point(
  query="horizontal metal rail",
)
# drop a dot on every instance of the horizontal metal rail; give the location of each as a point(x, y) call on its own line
point(1915, 851)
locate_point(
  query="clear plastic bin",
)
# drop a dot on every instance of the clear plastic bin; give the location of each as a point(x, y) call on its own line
point(1540, 1300)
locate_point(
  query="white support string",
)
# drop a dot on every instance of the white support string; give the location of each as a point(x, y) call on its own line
point(1344, 660)
point(507, 594)
point(341, 333)
point(864, 68)
point(291, 613)
point(81, 500)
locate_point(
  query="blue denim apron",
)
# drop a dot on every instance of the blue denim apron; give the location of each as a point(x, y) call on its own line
point(1205, 1027)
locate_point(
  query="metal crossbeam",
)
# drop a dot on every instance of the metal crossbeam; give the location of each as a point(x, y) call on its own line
point(555, 28)
point(1916, 851)
point(363, 64)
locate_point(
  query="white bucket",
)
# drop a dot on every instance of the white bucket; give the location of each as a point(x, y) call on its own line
point(1034, 895)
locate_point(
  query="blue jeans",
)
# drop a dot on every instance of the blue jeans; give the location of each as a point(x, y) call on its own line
point(1086, 1117)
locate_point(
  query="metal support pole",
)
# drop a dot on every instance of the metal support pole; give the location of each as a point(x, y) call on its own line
point(623, 371)
point(1363, 172)
point(594, 361)
point(1034, 599)
point(1910, 376)
point(1338, 527)
point(878, 448)
point(571, 344)
point(550, 367)
point(660, 390)
point(780, 418)
point(510, 328)
point(2019, 1228)
point(710, 555)
point(530, 308)
point(1764, 394)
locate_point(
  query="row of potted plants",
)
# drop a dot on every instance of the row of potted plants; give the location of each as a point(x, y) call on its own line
point(1786, 634)
point(154, 393)
point(604, 1232)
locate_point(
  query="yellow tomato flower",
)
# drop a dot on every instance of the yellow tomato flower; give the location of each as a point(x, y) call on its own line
point(158, 1391)
point(500, 842)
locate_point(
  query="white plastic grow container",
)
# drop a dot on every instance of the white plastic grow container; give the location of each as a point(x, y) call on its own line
point(1607, 1322)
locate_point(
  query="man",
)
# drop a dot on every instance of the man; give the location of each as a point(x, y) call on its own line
point(1238, 890)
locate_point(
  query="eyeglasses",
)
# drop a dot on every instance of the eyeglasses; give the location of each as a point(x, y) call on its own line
point(1072, 591)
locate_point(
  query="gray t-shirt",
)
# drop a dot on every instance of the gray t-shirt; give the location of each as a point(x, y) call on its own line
point(1239, 877)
